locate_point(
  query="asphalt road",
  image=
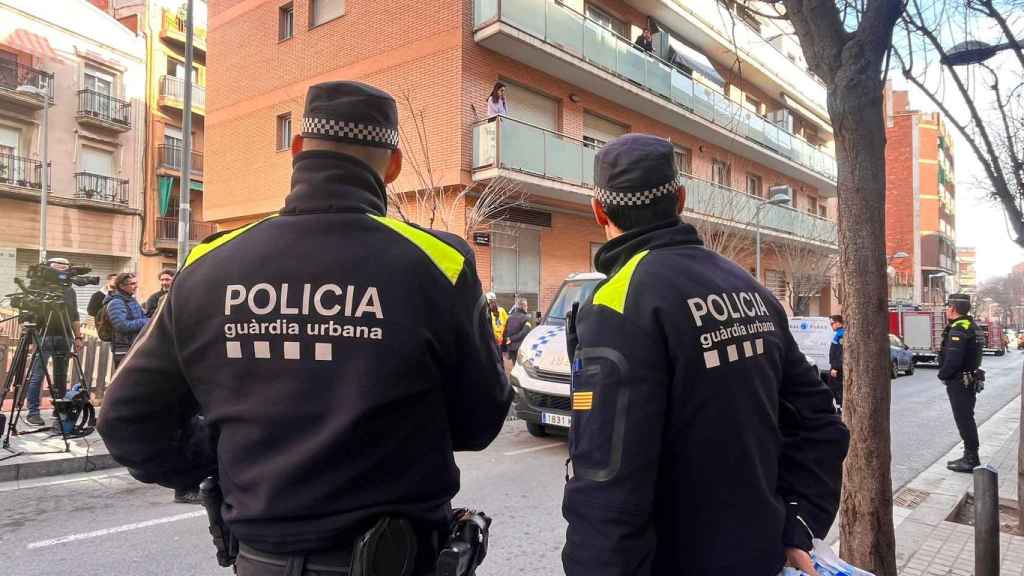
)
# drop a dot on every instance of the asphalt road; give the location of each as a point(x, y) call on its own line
point(106, 524)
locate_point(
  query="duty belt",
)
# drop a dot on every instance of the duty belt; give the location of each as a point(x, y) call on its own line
point(332, 562)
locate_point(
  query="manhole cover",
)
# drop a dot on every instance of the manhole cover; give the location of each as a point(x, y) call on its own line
point(909, 498)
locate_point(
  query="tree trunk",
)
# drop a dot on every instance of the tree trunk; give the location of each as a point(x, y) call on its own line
point(855, 105)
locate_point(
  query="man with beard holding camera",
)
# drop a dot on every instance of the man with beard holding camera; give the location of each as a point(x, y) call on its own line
point(333, 392)
point(57, 343)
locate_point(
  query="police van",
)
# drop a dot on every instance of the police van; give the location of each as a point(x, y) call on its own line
point(541, 375)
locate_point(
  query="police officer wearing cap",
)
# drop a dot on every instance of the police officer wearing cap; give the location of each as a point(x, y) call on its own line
point(959, 357)
point(702, 440)
point(333, 392)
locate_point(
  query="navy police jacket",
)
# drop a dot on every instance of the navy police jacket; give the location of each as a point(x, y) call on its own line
point(961, 350)
point(702, 440)
point(339, 358)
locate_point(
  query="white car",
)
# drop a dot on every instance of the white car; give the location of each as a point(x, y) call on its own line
point(541, 376)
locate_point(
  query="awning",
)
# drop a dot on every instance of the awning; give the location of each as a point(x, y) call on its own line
point(165, 185)
point(32, 43)
point(197, 186)
point(683, 55)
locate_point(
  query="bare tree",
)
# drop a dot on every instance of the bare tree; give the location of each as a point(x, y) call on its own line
point(721, 217)
point(985, 106)
point(846, 44)
point(808, 263)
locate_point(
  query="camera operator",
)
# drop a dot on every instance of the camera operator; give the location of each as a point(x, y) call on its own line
point(125, 313)
point(56, 343)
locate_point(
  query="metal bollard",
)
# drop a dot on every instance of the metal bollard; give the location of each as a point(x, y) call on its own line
point(986, 521)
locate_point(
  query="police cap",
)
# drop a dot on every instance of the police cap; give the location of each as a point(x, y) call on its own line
point(634, 170)
point(958, 298)
point(351, 112)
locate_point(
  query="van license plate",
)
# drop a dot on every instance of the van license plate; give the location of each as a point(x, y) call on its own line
point(556, 419)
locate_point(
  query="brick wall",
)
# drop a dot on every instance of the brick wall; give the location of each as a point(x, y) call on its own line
point(899, 194)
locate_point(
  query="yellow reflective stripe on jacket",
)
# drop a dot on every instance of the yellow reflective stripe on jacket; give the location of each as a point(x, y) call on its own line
point(962, 323)
point(613, 292)
point(447, 259)
point(207, 247)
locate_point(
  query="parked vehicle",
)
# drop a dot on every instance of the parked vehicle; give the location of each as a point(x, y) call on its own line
point(901, 358)
point(813, 335)
point(993, 338)
point(541, 375)
point(920, 328)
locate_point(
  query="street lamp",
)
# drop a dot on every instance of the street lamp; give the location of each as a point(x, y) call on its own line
point(43, 196)
point(778, 199)
point(890, 271)
point(972, 52)
point(930, 277)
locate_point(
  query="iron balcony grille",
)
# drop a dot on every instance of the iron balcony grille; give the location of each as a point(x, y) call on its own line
point(173, 88)
point(13, 75)
point(167, 229)
point(21, 172)
point(171, 157)
point(103, 107)
point(101, 188)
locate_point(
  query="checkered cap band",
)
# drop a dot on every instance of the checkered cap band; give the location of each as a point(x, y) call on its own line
point(639, 198)
point(352, 131)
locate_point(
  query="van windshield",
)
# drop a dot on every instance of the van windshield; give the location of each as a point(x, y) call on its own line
point(572, 291)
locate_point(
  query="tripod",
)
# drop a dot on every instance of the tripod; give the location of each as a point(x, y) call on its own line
point(66, 410)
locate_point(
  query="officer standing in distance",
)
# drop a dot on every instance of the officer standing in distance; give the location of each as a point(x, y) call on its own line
point(702, 441)
point(333, 392)
point(959, 357)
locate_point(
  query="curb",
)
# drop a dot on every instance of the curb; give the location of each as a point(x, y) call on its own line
point(55, 467)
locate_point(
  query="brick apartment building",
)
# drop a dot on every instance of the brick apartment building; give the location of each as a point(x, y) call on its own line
point(574, 80)
point(967, 276)
point(920, 201)
point(162, 24)
point(87, 72)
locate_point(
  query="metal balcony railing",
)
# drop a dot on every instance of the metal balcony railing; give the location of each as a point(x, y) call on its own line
point(517, 146)
point(167, 229)
point(21, 172)
point(103, 107)
point(99, 188)
point(173, 88)
point(13, 75)
point(171, 157)
point(588, 41)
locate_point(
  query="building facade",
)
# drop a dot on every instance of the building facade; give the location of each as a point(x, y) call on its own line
point(72, 70)
point(920, 201)
point(574, 81)
point(966, 276)
point(162, 24)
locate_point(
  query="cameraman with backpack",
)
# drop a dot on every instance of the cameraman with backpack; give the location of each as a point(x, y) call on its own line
point(124, 315)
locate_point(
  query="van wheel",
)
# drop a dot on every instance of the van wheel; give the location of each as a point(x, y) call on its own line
point(537, 430)
point(893, 373)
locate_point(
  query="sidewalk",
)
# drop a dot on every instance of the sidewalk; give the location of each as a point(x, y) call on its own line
point(41, 454)
point(926, 543)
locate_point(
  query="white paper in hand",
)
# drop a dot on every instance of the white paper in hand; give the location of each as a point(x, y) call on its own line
point(827, 564)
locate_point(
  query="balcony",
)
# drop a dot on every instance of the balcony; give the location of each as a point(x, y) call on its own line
point(551, 37)
point(172, 94)
point(170, 158)
point(167, 232)
point(708, 25)
point(554, 165)
point(19, 174)
point(173, 31)
point(104, 111)
point(101, 189)
point(14, 75)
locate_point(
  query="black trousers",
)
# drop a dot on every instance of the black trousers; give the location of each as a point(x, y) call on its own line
point(836, 386)
point(962, 401)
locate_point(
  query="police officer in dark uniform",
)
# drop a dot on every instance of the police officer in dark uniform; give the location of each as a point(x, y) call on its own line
point(959, 357)
point(313, 342)
point(702, 440)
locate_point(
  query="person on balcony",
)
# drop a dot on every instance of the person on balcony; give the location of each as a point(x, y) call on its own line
point(496, 104)
point(645, 42)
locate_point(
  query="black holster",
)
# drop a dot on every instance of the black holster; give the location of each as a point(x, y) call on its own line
point(974, 380)
point(467, 544)
point(387, 549)
point(226, 544)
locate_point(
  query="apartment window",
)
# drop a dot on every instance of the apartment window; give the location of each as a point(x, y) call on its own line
point(605, 19)
point(752, 104)
point(177, 69)
point(99, 82)
point(321, 11)
point(755, 187)
point(9, 142)
point(775, 280)
point(96, 161)
point(285, 21)
point(684, 160)
point(284, 131)
point(598, 131)
point(172, 137)
point(812, 205)
point(822, 211)
point(721, 173)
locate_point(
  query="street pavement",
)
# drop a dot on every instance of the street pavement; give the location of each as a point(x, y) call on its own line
point(105, 523)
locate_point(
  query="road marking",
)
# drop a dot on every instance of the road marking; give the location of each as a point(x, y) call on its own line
point(115, 530)
point(534, 449)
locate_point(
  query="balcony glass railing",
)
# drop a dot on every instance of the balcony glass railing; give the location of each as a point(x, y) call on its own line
point(103, 107)
point(585, 39)
point(509, 144)
point(173, 88)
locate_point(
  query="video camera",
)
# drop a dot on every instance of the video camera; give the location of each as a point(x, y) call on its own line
point(42, 277)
